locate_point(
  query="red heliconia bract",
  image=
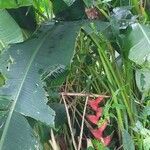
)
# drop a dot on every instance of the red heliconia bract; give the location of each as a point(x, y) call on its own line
point(94, 104)
point(95, 118)
point(106, 140)
point(103, 126)
point(99, 112)
point(92, 118)
point(98, 133)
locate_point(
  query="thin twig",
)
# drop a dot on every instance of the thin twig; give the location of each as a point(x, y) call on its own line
point(82, 124)
point(86, 122)
point(69, 122)
point(84, 95)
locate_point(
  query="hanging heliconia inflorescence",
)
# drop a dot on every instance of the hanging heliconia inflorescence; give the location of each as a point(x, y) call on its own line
point(98, 132)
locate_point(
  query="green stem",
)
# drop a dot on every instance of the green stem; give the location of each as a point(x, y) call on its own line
point(111, 74)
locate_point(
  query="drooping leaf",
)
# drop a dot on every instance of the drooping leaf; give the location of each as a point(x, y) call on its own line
point(23, 65)
point(128, 143)
point(14, 3)
point(10, 32)
point(25, 17)
point(19, 135)
point(68, 13)
point(61, 117)
point(140, 44)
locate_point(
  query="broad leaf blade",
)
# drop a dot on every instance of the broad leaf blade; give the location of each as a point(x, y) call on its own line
point(14, 3)
point(140, 44)
point(23, 65)
point(139, 53)
point(25, 17)
point(19, 135)
point(40, 53)
point(10, 32)
point(69, 13)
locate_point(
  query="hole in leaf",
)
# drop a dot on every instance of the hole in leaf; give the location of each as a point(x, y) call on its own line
point(2, 80)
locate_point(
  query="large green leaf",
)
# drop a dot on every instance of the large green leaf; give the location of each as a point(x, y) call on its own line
point(10, 32)
point(24, 64)
point(64, 12)
point(14, 3)
point(19, 135)
point(140, 44)
point(25, 17)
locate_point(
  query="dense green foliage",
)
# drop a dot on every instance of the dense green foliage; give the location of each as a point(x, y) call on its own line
point(51, 48)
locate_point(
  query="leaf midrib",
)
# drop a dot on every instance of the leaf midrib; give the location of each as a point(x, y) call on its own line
point(19, 91)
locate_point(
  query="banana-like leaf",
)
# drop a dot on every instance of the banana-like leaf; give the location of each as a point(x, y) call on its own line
point(23, 66)
point(14, 3)
point(10, 32)
point(139, 45)
point(139, 39)
point(19, 135)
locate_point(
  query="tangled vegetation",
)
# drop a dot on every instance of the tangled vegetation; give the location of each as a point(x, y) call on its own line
point(74, 74)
